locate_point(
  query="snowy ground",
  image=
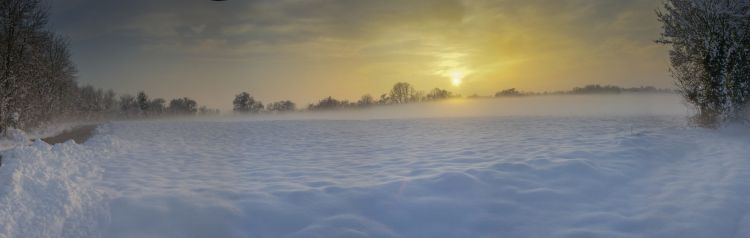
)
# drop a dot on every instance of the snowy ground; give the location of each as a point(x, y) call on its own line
point(16, 137)
point(523, 172)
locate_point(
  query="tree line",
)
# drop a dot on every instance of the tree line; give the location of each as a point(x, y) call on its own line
point(38, 79)
point(401, 93)
point(588, 89)
point(143, 106)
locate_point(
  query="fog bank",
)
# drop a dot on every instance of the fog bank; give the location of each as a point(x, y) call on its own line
point(550, 106)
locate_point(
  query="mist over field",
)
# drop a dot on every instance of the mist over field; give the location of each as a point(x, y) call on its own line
point(540, 106)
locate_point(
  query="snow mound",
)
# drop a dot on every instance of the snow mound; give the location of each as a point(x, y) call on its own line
point(12, 138)
point(15, 137)
point(48, 191)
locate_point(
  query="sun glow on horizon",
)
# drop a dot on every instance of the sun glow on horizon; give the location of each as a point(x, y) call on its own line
point(457, 78)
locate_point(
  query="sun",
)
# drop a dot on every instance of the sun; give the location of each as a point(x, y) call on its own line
point(457, 78)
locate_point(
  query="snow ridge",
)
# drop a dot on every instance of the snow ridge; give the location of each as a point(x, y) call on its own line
point(48, 191)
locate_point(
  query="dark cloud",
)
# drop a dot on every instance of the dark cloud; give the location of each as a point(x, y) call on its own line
point(273, 23)
point(239, 22)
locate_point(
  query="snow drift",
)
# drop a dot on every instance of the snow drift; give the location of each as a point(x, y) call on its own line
point(637, 174)
point(49, 191)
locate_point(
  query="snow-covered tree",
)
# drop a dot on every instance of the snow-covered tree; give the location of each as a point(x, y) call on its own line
point(710, 54)
point(21, 36)
point(37, 77)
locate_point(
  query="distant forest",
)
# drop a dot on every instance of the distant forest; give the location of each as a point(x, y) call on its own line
point(38, 79)
point(403, 92)
point(588, 89)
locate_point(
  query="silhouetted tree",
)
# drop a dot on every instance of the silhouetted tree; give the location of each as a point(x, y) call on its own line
point(156, 106)
point(439, 94)
point(245, 103)
point(384, 99)
point(204, 111)
point(366, 101)
point(281, 106)
point(597, 89)
point(511, 92)
point(143, 101)
point(328, 103)
point(182, 106)
point(402, 93)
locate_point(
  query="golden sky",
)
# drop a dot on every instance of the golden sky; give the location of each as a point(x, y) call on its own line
point(306, 50)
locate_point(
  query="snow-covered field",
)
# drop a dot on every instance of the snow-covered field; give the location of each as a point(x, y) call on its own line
point(600, 166)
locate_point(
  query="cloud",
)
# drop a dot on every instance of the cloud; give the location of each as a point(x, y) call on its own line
point(275, 25)
point(529, 44)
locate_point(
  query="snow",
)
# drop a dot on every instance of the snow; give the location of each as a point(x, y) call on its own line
point(519, 172)
point(14, 137)
point(48, 191)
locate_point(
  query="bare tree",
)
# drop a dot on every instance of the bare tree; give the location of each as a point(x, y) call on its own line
point(328, 103)
point(402, 93)
point(511, 92)
point(128, 105)
point(366, 101)
point(439, 94)
point(245, 103)
point(22, 37)
point(109, 100)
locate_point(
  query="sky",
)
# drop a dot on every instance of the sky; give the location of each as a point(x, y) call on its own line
point(304, 50)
